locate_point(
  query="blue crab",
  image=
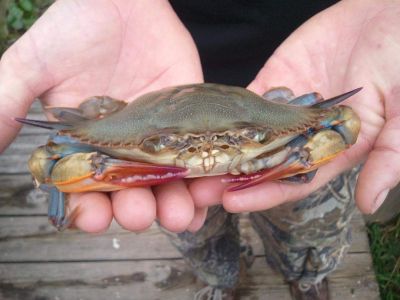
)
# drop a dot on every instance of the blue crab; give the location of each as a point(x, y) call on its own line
point(188, 131)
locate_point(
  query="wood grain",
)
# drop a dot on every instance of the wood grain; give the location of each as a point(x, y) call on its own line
point(162, 279)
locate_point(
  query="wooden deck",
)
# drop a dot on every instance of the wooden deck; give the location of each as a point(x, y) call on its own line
point(36, 262)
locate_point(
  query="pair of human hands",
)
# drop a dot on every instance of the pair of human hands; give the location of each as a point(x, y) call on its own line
point(81, 48)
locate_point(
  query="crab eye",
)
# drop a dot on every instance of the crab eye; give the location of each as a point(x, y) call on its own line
point(259, 135)
point(157, 143)
point(151, 145)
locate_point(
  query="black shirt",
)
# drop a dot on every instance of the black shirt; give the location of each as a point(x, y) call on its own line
point(235, 37)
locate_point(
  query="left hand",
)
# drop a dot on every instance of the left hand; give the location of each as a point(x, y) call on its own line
point(351, 44)
point(81, 48)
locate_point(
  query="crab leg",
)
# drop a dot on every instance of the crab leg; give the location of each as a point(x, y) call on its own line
point(303, 156)
point(286, 96)
point(57, 210)
point(92, 108)
point(307, 99)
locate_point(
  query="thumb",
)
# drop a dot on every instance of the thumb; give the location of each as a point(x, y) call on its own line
point(381, 171)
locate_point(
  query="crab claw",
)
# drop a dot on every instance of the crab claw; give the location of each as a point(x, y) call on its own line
point(83, 172)
point(304, 156)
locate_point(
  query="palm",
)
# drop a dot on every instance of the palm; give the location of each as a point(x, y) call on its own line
point(332, 53)
point(108, 49)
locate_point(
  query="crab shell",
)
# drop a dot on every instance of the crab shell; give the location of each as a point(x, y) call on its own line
point(204, 129)
point(188, 131)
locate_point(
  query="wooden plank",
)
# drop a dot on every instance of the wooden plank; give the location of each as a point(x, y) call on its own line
point(24, 144)
point(41, 242)
point(18, 197)
point(33, 239)
point(14, 159)
point(162, 279)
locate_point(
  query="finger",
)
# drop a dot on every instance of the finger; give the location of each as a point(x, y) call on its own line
point(381, 171)
point(135, 208)
point(200, 214)
point(94, 211)
point(175, 208)
point(207, 191)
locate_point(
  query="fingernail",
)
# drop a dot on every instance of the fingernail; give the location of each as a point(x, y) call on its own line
point(379, 200)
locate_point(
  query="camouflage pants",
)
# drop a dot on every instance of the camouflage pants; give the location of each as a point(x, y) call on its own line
point(303, 240)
